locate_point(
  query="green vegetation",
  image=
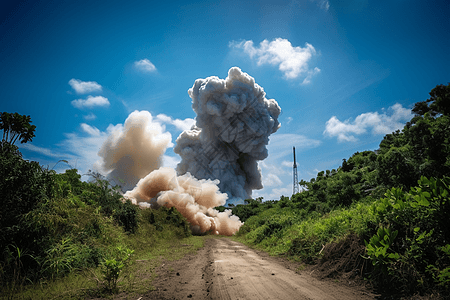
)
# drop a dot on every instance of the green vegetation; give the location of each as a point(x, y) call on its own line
point(16, 127)
point(392, 204)
point(383, 215)
point(413, 236)
point(62, 237)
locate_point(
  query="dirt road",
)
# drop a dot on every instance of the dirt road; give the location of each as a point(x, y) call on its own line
point(225, 269)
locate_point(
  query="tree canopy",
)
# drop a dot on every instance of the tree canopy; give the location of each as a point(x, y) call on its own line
point(422, 148)
point(16, 127)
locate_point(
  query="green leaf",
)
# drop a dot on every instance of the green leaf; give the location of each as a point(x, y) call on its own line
point(446, 249)
point(424, 202)
point(394, 256)
point(394, 235)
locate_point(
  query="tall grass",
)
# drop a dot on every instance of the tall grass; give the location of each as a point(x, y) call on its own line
point(168, 238)
point(301, 236)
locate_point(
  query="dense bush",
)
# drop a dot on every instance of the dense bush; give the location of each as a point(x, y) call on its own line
point(164, 218)
point(412, 242)
point(98, 193)
point(302, 234)
point(51, 224)
point(251, 208)
point(23, 186)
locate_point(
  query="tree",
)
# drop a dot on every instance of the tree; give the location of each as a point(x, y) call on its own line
point(23, 185)
point(16, 127)
point(422, 148)
point(437, 104)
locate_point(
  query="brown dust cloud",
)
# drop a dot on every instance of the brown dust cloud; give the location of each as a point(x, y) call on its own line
point(219, 153)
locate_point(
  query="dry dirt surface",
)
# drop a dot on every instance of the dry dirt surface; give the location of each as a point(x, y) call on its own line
point(225, 269)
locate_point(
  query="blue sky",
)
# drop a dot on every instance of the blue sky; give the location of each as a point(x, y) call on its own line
point(345, 73)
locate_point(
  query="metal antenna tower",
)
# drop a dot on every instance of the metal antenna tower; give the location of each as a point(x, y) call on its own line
point(295, 182)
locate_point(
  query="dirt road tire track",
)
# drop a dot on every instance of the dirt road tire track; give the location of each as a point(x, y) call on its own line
point(225, 269)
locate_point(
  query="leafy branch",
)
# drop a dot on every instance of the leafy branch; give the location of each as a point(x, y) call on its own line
point(16, 127)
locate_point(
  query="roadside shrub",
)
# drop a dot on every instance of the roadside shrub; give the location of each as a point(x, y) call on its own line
point(113, 267)
point(67, 256)
point(305, 248)
point(410, 249)
point(251, 208)
point(101, 194)
point(164, 217)
point(302, 234)
point(23, 186)
point(127, 216)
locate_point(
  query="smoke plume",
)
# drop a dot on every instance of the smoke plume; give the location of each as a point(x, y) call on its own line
point(135, 149)
point(193, 198)
point(233, 124)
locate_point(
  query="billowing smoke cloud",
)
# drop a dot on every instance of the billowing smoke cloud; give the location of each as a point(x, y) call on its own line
point(194, 199)
point(233, 124)
point(135, 149)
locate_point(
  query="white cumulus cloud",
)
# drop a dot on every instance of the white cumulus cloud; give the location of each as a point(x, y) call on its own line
point(281, 191)
point(271, 180)
point(182, 125)
point(292, 61)
point(84, 87)
point(145, 65)
point(90, 117)
point(384, 123)
point(288, 164)
point(311, 73)
point(91, 130)
point(90, 102)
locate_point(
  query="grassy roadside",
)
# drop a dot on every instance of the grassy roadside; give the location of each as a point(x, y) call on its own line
point(330, 244)
point(150, 247)
point(279, 230)
point(63, 238)
point(398, 242)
